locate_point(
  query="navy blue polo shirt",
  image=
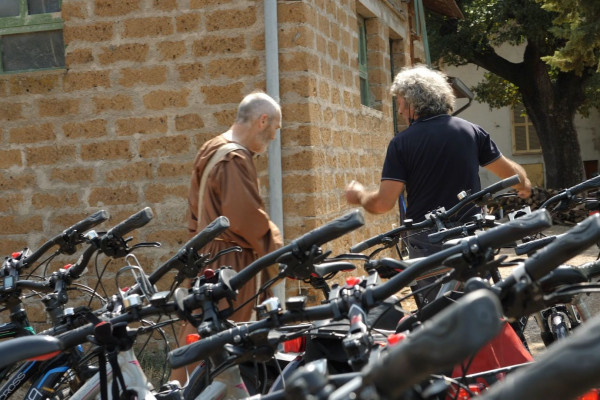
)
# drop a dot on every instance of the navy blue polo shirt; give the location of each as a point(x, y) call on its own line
point(437, 158)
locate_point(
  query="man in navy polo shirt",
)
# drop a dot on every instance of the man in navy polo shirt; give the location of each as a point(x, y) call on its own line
point(435, 158)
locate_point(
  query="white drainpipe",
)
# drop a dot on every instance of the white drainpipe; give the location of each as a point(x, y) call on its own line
point(272, 76)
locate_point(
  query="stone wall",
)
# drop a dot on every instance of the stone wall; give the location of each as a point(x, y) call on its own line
point(148, 81)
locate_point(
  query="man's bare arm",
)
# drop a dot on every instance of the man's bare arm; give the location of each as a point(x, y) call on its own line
point(378, 201)
point(504, 168)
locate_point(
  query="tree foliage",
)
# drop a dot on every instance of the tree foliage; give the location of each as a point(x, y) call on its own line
point(578, 23)
point(556, 77)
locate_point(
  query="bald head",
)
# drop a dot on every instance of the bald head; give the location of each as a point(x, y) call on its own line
point(256, 104)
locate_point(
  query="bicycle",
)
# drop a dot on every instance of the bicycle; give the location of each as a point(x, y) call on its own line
point(558, 320)
point(338, 307)
point(187, 261)
point(11, 290)
point(298, 257)
point(444, 226)
point(411, 369)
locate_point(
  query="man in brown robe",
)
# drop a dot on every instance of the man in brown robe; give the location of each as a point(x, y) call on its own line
point(230, 189)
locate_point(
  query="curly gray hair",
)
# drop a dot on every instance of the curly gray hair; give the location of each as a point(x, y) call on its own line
point(425, 89)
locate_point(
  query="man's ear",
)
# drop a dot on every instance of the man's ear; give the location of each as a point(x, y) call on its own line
point(263, 121)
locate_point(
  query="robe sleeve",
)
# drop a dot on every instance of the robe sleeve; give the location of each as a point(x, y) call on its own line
point(236, 181)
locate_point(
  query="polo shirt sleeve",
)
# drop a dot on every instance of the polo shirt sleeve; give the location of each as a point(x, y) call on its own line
point(488, 151)
point(393, 166)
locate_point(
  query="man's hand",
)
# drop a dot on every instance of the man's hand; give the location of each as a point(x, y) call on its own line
point(354, 191)
point(524, 189)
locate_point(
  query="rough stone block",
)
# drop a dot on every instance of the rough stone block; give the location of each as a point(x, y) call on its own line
point(86, 129)
point(151, 26)
point(161, 99)
point(131, 126)
point(32, 134)
point(113, 8)
point(120, 102)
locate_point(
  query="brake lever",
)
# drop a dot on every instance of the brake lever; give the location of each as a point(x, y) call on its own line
point(348, 257)
point(223, 252)
point(144, 244)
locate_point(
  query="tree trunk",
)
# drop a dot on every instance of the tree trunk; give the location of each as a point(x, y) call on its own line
point(560, 147)
point(551, 105)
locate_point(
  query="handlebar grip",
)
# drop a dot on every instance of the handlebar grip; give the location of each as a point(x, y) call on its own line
point(438, 237)
point(586, 185)
point(43, 286)
point(516, 229)
point(89, 222)
point(22, 348)
point(332, 230)
point(503, 184)
point(203, 348)
point(567, 369)
point(362, 246)
point(137, 220)
point(212, 230)
point(76, 336)
point(528, 247)
point(445, 340)
point(571, 243)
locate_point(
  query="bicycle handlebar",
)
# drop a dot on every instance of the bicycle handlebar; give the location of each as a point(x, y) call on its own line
point(492, 238)
point(539, 265)
point(80, 227)
point(323, 234)
point(135, 221)
point(107, 242)
point(375, 240)
point(573, 190)
point(563, 248)
point(79, 335)
point(528, 247)
point(209, 346)
point(25, 347)
point(201, 239)
point(443, 216)
point(469, 228)
point(42, 286)
point(77, 269)
point(579, 238)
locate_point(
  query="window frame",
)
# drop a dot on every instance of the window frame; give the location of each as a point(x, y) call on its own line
point(25, 23)
point(363, 64)
point(529, 130)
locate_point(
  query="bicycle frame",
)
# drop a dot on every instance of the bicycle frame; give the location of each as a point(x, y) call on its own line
point(51, 373)
point(134, 377)
point(17, 327)
point(228, 384)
